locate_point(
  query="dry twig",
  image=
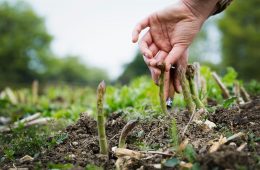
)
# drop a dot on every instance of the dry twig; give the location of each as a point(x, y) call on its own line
point(223, 88)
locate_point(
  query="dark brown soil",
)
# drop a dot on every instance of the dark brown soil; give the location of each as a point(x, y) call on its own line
point(81, 147)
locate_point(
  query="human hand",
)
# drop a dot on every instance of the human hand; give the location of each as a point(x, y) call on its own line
point(170, 33)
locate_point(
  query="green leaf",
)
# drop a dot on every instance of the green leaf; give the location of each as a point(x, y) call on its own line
point(93, 167)
point(170, 163)
point(227, 103)
point(189, 153)
point(196, 166)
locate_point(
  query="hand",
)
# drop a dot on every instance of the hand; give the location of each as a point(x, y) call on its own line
point(170, 33)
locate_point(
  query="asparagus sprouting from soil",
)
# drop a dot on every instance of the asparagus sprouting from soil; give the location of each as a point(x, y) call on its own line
point(127, 128)
point(186, 90)
point(161, 89)
point(191, 69)
point(101, 119)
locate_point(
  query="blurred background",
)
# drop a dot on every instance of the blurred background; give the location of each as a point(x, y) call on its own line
point(80, 42)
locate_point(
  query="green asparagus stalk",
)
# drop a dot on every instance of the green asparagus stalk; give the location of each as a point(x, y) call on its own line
point(193, 89)
point(161, 89)
point(186, 90)
point(101, 119)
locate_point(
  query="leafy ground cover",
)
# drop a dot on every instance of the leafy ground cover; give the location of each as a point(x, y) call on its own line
point(69, 139)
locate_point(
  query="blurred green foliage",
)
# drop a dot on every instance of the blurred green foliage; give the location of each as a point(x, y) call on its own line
point(24, 41)
point(240, 27)
point(253, 87)
point(25, 53)
point(135, 68)
point(139, 98)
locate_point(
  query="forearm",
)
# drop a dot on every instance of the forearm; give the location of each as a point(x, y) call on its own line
point(202, 8)
point(206, 8)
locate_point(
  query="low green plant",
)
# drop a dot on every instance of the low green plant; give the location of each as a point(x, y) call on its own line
point(25, 141)
point(60, 166)
point(174, 134)
point(189, 153)
point(93, 167)
point(253, 87)
point(229, 102)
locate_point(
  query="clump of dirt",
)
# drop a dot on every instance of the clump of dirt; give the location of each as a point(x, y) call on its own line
point(240, 118)
point(227, 157)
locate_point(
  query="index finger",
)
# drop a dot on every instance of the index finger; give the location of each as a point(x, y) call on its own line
point(138, 28)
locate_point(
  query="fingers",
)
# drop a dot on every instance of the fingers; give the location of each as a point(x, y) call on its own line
point(154, 49)
point(175, 77)
point(168, 86)
point(176, 81)
point(138, 28)
point(158, 59)
point(174, 55)
point(144, 45)
point(155, 73)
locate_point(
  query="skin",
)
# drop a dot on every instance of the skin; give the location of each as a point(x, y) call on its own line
point(170, 33)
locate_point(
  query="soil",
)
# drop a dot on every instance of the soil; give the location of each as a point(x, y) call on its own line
point(81, 147)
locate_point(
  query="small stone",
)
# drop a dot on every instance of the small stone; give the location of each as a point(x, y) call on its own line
point(84, 153)
point(75, 143)
point(252, 123)
point(210, 124)
point(72, 156)
point(26, 158)
point(233, 144)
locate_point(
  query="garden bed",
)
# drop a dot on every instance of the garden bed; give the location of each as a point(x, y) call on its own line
point(81, 147)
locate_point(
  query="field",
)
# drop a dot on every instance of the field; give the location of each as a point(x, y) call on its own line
point(55, 127)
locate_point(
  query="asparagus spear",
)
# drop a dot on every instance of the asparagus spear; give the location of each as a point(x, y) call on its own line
point(101, 119)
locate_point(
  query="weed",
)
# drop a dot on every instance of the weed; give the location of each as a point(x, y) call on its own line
point(174, 134)
point(189, 153)
point(93, 167)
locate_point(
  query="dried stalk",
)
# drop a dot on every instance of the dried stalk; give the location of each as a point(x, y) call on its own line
point(101, 119)
point(193, 88)
point(194, 116)
point(225, 92)
point(121, 152)
point(161, 90)
point(244, 94)
point(35, 91)
point(222, 140)
point(29, 118)
point(204, 94)
point(40, 121)
point(127, 128)
point(237, 93)
point(197, 76)
point(186, 90)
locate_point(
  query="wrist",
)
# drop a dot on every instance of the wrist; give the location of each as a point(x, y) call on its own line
point(201, 8)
